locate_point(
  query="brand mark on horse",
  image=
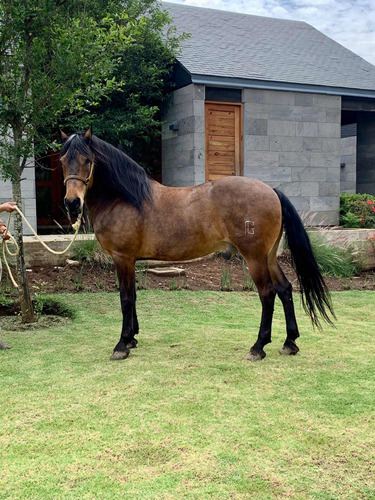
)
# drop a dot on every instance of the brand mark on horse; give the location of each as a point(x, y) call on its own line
point(249, 227)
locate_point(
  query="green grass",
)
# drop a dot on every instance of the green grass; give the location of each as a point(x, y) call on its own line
point(185, 416)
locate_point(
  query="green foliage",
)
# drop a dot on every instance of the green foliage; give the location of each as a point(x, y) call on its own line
point(84, 249)
point(56, 307)
point(333, 261)
point(173, 286)
point(5, 301)
point(52, 59)
point(357, 210)
point(6, 288)
point(39, 297)
point(130, 117)
point(226, 277)
point(142, 272)
point(43, 305)
point(89, 252)
point(247, 280)
point(59, 60)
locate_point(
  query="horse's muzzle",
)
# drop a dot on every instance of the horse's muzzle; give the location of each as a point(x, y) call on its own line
point(73, 207)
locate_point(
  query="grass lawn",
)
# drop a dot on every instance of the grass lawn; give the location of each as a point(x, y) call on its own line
point(185, 416)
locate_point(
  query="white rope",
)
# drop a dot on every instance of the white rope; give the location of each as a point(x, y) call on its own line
point(6, 250)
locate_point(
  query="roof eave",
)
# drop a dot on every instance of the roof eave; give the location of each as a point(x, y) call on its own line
point(219, 81)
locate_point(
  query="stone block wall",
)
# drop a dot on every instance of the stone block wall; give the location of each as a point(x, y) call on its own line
point(183, 148)
point(292, 142)
point(28, 197)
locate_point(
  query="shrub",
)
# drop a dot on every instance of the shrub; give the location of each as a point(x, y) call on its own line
point(333, 261)
point(357, 210)
point(56, 308)
point(90, 252)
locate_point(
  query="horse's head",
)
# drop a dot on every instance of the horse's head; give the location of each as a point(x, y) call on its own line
point(77, 160)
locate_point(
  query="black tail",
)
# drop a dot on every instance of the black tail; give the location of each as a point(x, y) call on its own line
point(315, 296)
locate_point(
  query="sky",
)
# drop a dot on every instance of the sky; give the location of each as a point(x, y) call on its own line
point(350, 23)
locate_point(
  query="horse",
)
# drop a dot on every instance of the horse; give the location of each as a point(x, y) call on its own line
point(135, 217)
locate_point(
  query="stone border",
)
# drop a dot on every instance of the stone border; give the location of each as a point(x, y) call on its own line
point(354, 240)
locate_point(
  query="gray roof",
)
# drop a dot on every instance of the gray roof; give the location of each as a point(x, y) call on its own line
point(244, 50)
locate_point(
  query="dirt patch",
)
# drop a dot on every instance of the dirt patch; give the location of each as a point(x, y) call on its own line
point(48, 312)
point(14, 323)
point(211, 273)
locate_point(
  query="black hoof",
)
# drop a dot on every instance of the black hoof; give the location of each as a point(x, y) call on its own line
point(290, 348)
point(119, 355)
point(132, 344)
point(4, 346)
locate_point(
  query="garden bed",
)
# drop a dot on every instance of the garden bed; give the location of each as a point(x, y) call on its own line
point(210, 273)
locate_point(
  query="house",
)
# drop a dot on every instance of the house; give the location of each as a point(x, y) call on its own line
point(271, 99)
point(265, 98)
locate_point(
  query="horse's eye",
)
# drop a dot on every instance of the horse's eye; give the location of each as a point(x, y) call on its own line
point(87, 161)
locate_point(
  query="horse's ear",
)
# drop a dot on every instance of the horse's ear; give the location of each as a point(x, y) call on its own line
point(63, 135)
point(88, 135)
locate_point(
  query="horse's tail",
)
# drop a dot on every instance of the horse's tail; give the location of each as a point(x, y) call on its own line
point(315, 295)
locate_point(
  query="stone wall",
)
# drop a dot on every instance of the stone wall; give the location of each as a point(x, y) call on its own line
point(292, 142)
point(28, 197)
point(183, 148)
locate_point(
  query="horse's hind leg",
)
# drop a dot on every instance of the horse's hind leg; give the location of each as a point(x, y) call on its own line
point(284, 291)
point(262, 279)
point(126, 277)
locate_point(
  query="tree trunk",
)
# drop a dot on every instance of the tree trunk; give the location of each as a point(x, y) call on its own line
point(24, 293)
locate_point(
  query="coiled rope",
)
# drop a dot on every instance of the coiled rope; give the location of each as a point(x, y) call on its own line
point(5, 242)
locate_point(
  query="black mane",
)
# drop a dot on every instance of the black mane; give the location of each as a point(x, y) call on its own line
point(115, 174)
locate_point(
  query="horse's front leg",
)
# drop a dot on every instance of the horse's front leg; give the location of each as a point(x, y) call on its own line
point(126, 277)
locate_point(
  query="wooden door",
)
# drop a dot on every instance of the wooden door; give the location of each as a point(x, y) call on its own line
point(223, 139)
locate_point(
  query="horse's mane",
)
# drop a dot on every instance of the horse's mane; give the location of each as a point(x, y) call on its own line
point(115, 174)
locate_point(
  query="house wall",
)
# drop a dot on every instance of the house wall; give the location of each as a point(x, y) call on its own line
point(28, 197)
point(292, 142)
point(183, 149)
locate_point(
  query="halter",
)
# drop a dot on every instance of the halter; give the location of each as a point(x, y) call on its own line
point(78, 178)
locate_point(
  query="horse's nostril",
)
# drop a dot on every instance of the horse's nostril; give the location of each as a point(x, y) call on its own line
point(74, 206)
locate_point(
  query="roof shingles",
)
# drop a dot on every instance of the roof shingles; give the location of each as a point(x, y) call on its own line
point(232, 45)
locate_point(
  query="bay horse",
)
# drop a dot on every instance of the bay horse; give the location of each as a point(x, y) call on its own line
point(135, 217)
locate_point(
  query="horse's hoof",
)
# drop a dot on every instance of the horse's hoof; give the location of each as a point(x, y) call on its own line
point(132, 344)
point(288, 351)
point(255, 356)
point(118, 355)
point(4, 346)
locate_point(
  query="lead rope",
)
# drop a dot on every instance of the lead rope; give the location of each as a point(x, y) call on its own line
point(6, 250)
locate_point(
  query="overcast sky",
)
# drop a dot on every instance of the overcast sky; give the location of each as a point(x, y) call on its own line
point(351, 23)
